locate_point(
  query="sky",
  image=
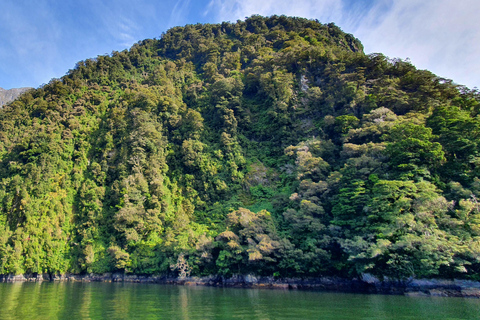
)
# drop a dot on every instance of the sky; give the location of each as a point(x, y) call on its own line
point(43, 39)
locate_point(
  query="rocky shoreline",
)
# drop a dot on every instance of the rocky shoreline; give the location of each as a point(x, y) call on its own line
point(367, 284)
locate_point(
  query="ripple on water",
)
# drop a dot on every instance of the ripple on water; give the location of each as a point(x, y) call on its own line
point(66, 300)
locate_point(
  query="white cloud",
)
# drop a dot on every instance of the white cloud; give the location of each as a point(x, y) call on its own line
point(442, 36)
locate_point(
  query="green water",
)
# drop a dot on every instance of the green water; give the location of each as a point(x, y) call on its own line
point(149, 301)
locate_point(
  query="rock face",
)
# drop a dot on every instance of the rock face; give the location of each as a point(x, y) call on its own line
point(7, 96)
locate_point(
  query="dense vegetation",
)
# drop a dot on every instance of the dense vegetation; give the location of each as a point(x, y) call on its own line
point(272, 146)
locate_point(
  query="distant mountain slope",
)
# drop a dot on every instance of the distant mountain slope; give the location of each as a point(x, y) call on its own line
point(7, 96)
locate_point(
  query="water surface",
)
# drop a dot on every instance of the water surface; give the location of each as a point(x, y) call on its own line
point(66, 300)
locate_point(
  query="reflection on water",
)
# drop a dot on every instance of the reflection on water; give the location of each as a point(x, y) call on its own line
point(148, 301)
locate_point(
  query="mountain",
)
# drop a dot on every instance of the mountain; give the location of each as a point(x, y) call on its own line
point(272, 146)
point(7, 96)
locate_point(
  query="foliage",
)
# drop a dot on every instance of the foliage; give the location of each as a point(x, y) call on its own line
point(271, 146)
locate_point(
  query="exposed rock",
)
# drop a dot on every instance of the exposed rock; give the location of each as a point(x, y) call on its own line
point(17, 278)
point(7, 96)
point(303, 83)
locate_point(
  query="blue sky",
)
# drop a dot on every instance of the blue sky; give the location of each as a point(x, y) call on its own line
point(43, 39)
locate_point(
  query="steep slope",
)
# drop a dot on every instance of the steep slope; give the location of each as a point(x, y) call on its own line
point(7, 96)
point(273, 146)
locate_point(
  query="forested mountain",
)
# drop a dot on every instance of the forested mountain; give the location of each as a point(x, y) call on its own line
point(7, 96)
point(270, 146)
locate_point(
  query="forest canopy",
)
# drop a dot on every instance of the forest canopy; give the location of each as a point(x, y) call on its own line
point(271, 146)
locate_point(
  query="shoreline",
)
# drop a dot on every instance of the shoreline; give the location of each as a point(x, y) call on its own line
point(367, 284)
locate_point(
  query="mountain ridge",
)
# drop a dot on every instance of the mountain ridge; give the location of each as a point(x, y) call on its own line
point(9, 95)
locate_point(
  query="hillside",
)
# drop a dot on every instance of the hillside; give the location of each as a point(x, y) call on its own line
point(271, 146)
point(7, 96)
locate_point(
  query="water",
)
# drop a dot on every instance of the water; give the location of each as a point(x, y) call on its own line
point(67, 300)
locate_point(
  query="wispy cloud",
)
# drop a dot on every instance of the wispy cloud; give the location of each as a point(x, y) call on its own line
point(26, 38)
point(44, 38)
point(125, 30)
point(231, 10)
point(179, 13)
point(442, 35)
point(113, 22)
